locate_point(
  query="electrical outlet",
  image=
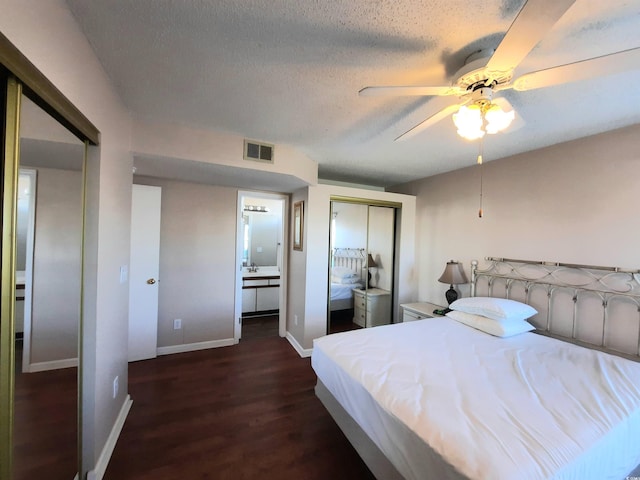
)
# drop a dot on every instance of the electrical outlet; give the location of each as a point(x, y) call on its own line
point(177, 324)
point(115, 387)
point(295, 319)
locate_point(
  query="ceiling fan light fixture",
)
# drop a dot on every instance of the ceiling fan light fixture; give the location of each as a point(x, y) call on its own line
point(469, 122)
point(474, 121)
point(497, 119)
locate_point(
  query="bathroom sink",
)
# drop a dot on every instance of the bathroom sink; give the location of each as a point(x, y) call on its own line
point(262, 272)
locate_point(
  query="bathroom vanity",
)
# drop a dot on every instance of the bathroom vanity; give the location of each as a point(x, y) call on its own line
point(260, 291)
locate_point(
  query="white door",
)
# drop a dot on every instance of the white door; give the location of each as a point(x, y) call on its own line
point(144, 269)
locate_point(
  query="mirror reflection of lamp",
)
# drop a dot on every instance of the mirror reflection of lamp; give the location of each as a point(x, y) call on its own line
point(371, 263)
point(453, 275)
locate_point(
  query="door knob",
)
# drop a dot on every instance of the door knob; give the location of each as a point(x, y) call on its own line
point(151, 281)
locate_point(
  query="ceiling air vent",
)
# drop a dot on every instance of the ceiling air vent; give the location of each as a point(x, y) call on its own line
point(259, 152)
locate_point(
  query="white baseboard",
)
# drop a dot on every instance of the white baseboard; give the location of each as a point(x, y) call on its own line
point(53, 365)
point(101, 465)
point(192, 347)
point(303, 352)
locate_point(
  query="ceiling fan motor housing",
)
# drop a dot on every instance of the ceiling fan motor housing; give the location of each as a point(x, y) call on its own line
point(475, 75)
point(482, 96)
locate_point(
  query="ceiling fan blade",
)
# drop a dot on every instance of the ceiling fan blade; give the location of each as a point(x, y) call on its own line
point(409, 91)
point(533, 22)
point(583, 70)
point(444, 107)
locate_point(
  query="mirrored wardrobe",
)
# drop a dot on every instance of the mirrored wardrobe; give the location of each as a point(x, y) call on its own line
point(362, 264)
point(47, 309)
point(43, 178)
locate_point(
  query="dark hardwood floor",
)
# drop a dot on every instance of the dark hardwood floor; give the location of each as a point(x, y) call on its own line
point(45, 405)
point(242, 412)
point(259, 327)
point(342, 321)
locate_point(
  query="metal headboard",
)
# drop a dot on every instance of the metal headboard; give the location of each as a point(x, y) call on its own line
point(596, 307)
point(352, 258)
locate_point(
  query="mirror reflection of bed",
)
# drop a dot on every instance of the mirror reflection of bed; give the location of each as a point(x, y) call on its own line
point(361, 265)
point(346, 275)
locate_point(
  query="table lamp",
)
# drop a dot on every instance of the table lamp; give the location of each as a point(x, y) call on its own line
point(371, 263)
point(453, 275)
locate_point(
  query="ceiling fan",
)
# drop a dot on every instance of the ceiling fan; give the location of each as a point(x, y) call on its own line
point(487, 72)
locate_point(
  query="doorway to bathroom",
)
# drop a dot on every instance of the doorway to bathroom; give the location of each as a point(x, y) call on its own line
point(260, 309)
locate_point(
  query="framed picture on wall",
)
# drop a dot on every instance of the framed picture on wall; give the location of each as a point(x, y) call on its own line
point(298, 225)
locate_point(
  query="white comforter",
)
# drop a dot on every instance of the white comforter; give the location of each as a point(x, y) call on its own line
point(341, 291)
point(482, 407)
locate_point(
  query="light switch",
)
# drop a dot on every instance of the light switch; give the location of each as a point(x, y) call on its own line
point(259, 249)
point(124, 273)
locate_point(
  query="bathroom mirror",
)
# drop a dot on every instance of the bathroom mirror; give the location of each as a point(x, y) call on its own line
point(262, 228)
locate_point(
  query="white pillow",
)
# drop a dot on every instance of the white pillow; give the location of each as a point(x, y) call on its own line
point(496, 308)
point(343, 272)
point(345, 281)
point(498, 328)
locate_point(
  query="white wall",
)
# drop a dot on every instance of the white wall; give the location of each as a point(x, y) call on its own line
point(380, 245)
point(350, 225)
point(575, 202)
point(157, 139)
point(197, 262)
point(308, 280)
point(48, 35)
point(56, 266)
point(297, 281)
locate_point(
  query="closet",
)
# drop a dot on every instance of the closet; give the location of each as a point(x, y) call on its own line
point(362, 264)
point(43, 231)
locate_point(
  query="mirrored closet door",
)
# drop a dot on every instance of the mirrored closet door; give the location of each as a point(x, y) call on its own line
point(44, 143)
point(362, 254)
point(48, 273)
point(42, 246)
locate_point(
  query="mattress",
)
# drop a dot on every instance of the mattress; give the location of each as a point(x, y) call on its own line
point(444, 401)
point(340, 291)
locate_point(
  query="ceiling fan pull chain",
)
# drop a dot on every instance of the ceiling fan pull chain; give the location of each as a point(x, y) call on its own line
point(480, 145)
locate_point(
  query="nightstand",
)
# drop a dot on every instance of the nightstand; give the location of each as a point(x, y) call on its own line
point(371, 307)
point(418, 311)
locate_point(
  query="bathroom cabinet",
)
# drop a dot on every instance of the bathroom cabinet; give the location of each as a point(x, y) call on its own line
point(260, 294)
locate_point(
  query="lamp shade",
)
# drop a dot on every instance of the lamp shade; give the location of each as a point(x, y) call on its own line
point(453, 274)
point(370, 261)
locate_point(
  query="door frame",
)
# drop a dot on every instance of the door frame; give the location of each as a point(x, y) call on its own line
point(282, 259)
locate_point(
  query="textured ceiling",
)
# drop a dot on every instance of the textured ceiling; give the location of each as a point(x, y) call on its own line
point(289, 72)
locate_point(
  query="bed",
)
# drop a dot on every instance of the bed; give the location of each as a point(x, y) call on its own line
point(346, 274)
point(436, 399)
